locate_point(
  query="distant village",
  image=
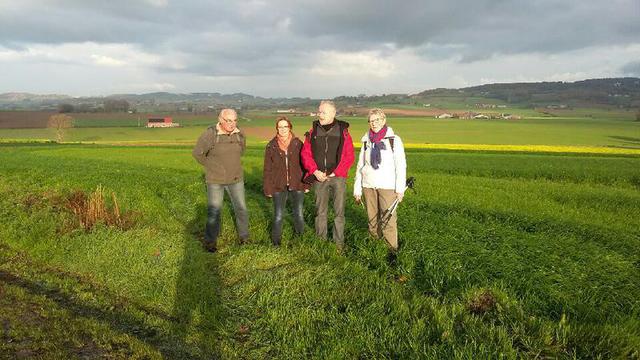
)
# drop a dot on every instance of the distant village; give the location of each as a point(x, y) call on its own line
point(475, 115)
point(443, 115)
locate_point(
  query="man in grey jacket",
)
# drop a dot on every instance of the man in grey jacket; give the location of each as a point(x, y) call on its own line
point(219, 150)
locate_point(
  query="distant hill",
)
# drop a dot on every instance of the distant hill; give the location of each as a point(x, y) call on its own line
point(157, 101)
point(218, 98)
point(22, 96)
point(617, 92)
point(624, 92)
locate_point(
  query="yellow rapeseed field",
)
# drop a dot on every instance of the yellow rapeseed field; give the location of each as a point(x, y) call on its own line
point(526, 148)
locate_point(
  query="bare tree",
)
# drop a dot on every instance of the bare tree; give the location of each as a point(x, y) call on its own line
point(60, 123)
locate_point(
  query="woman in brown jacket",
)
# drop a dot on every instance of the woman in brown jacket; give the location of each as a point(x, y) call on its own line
point(282, 177)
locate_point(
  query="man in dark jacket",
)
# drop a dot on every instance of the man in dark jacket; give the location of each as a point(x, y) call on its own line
point(219, 150)
point(327, 155)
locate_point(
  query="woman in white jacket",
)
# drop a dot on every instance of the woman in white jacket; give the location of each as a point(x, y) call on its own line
point(381, 175)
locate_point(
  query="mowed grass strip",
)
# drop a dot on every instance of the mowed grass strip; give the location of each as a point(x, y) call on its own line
point(553, 240)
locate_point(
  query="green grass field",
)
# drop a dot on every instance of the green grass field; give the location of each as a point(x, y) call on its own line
point(604, 132)
point(503, 255)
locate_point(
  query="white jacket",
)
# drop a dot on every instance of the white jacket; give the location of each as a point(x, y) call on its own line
point(392, 172)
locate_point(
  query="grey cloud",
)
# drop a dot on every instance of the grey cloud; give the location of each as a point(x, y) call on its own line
point(631, 69)
point(484, 26)
point(247, 37)
point(236, 38)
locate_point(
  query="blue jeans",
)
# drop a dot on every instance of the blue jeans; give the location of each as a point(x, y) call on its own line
point(215, 195)
point(279, 203)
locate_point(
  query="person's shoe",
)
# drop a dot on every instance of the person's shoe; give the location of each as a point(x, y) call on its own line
point(276, 242)
point(210, 248)
point(340, 250)
point(392, 258)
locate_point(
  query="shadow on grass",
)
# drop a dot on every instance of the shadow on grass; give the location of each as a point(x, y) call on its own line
point(115, 312)
point(254, 188)
point(197, 306)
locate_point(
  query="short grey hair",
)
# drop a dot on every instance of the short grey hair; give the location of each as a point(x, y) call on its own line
point(328, 102)
point(223, 112)
point(377, 112)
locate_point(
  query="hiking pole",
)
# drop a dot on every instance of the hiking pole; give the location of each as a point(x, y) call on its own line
point(386, 215)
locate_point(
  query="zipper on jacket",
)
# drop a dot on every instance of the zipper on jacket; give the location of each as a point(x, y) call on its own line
point(326, 150)
point(286, 164)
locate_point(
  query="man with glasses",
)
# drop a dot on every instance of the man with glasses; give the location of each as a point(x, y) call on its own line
point(327, 155)
point(219, 150)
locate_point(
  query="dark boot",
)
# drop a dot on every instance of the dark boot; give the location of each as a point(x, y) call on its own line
point(392, 258)
point(210, 247)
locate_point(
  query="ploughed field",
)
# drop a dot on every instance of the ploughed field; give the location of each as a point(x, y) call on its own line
point(503, 255)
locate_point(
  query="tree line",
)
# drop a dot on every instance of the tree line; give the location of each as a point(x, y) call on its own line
point(108, 105)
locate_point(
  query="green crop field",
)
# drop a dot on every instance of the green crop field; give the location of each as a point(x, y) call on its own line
point(529, 251)
point(568, 131)
point(503, 255)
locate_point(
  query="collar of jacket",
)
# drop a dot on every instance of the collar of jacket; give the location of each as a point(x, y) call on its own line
point(343, 124)
point(274, 142)
point(219, 130)
point(390, 133)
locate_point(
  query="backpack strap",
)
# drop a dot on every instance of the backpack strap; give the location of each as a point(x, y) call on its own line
point(241, 139)
point(215, 140)
point(391, 140)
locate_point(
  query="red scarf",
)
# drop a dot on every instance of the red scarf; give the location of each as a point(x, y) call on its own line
point(377, 137)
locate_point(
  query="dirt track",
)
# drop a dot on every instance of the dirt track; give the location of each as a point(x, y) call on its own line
point(260, 132)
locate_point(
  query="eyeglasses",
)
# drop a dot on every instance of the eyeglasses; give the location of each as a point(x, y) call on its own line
point(230, 121)
point(376, 120)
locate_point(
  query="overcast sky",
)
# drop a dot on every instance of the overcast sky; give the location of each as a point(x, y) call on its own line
point(309, 48)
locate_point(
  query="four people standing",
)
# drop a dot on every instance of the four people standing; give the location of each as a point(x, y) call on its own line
point(326, 154)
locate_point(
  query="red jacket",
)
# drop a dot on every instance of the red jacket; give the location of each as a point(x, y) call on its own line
point(346, 156)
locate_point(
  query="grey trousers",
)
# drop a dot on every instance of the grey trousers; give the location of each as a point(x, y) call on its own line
point(336, 188)
point(377, 201)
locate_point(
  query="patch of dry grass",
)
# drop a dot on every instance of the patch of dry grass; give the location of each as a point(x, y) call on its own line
point(93, 208)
